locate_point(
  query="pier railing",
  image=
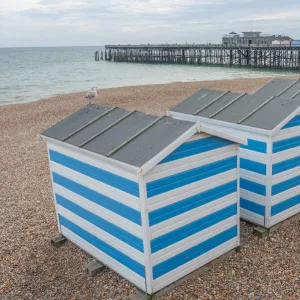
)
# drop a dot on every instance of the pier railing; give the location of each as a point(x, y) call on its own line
point(273, 57)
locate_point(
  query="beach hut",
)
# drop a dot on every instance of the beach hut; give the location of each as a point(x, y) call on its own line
point(153, 198)
point(270, 164)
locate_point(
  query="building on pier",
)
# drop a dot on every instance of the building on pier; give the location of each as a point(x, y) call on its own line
point(254, 38)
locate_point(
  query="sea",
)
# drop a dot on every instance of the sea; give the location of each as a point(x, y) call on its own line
point(30, 74)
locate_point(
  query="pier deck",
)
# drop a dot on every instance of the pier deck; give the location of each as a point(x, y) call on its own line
point(207, 54)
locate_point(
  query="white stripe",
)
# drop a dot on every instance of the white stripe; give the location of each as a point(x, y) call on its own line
point(193, 240)
point(53, 192)
point(195, 264)
point(254, 177)
point(100, 211)
point(146, 235)
point(286, 133)
point(253, 155)
point(259, 199)
point(285, 214)
point(191, 189)
point(104, 258)
point(191, 215)
point(283, 155)
point(190, 162)
point(261, 158)
point(95, 185)
point(283, 175)
point(102, 235)
point(285, 195)
point(252, 217)
point(289, 175)
point(95, 160)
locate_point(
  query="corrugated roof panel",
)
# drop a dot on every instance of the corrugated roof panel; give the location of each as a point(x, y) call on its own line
point(152, 141)
point(75, 121)
point(197, 101)
point(128, 136)
point(274, 87)
point(216, 106)
point(250, 110)
point(243, 106)
point(119, 133)
point(273, 113)
point(292, 91)
point(85, 134)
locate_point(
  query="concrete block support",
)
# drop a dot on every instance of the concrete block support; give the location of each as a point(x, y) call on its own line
point(58, 241)
point(94, 267)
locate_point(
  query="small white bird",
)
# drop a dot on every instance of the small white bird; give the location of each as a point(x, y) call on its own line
point(92, 93)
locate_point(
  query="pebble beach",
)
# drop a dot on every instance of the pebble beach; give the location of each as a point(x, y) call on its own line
point(31, 268)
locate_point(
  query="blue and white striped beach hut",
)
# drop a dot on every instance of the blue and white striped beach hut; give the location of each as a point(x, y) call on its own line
point(152, 198)
point(270, 164)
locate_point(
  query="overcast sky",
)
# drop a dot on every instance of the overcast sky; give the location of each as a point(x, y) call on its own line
point(99, 22)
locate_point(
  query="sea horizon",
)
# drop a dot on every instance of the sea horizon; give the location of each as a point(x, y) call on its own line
point(34, 73)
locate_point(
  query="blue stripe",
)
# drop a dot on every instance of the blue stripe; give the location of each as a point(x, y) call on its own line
point(192, 228)
point(285, 185)
point(111, 179)
point(286, 144)
point(110, 228)
point(252, 206)
point(253, 187)
point(196, 147)
point(104, 247)
point(253, 166)
point(280, 207)
point(180, 207)
point(286, 165)
point(110, 204)
point(194, 252)
point(187, 177)
point(256, 146)
point(293, 123)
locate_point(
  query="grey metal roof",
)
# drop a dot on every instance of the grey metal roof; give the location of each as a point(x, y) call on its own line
point(283, 87)
point(261, 110)
point(127, 136)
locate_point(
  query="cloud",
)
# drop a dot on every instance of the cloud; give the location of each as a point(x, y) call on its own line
point(82, 22)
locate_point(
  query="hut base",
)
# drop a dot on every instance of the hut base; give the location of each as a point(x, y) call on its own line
point(143, 296)
point(58, 241)
point(263, 231)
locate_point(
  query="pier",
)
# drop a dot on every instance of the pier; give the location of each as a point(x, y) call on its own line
point(271, 57)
